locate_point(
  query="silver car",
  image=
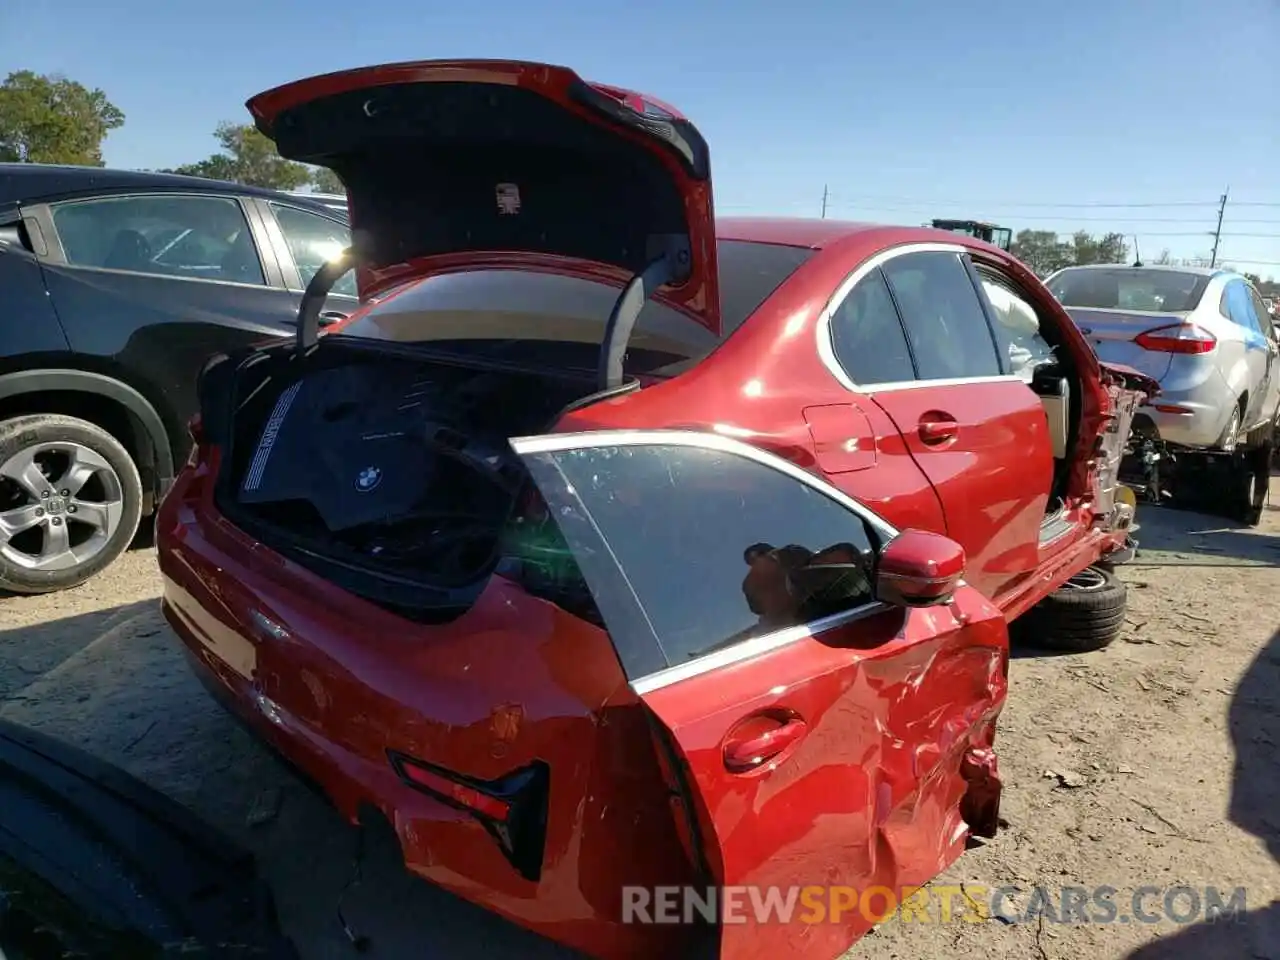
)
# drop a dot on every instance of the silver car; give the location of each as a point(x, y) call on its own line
point(1205, 335)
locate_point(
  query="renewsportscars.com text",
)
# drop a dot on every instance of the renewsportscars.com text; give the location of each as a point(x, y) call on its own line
point(939, 903)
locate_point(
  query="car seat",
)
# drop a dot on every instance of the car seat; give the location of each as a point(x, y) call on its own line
point(240, 264)
point(130, 250)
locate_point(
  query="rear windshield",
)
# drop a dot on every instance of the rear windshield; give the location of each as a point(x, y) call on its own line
point(1129, 288)
point(525, 315)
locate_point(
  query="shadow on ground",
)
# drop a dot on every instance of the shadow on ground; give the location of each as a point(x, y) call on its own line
point(31, 652)
point(1171, 537)
point(115, 684)
point(1254, 722)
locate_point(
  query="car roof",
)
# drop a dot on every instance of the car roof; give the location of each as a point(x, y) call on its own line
point(815, 234)
point(27, 182)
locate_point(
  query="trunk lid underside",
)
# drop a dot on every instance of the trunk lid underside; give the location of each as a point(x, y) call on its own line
point(452, 163)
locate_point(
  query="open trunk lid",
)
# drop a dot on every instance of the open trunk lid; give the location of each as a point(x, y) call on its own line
point(453, 164)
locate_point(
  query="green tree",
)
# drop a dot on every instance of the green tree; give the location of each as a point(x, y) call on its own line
point(50, 119)
point(248, 157)
point(1110, 248)
point(1042, 251)
point(326, 181)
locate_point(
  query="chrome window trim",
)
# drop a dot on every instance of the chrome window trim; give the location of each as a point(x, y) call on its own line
point(558, 442)
point(751, 646)
point(826, 349)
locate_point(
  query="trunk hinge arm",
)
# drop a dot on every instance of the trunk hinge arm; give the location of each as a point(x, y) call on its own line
point(314, 296)
point(671, 266)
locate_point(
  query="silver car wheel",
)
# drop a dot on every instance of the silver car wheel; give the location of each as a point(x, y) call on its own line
point(1086, 580)
point(74, 502)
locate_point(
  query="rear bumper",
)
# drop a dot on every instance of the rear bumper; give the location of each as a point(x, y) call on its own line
point(336, 696)
point(1192, 415)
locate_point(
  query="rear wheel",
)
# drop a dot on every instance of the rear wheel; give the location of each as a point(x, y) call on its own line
point(1248, 486)
point(1231, 433)
point(1085, 613)
point(70, 502)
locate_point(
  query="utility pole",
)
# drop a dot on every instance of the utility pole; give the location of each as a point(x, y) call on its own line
point(824, 201)
point(1217, 234)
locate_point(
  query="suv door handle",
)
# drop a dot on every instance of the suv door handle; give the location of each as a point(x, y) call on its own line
point(741, 756)
point(329, 317)
point(937, 428)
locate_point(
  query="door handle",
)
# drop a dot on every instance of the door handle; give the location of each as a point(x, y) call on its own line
point(937, 428)
point(329, 317)
point(742, 756)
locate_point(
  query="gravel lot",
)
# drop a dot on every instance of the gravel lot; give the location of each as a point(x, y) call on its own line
point(1153, 762)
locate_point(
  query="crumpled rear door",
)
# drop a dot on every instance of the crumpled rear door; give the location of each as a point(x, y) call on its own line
point(827, 747)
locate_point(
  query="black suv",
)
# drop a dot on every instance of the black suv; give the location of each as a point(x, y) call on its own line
point(116, 287)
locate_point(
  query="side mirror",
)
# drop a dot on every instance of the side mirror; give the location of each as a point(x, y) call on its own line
point(919, 569)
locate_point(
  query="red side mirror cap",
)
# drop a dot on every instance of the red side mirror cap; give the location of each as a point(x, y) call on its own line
point(918, 569)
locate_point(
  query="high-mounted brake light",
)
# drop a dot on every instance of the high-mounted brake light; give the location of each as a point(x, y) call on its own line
point(1184, 338)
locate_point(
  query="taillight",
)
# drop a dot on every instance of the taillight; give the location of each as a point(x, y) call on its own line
point(1177, 338)
point(512, 809)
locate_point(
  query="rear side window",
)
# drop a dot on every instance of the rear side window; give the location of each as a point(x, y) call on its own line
point(1241, 308)
point(314, 240)
point(1017, 327)
point(195, 238)
point(716, 548)
point(867, 336)
point(1129, 288)
point(1263, 315)
point(945, 322)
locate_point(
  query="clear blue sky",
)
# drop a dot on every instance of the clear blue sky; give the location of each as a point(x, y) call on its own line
point(1029, 113)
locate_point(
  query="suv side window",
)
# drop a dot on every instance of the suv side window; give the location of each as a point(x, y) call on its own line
point(168, 235)
point(946, 325)
point(729, 548)
point(312, 241)
point(867, 336)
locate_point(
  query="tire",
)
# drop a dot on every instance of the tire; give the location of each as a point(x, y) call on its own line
point(1247, 487)
point(1086, 613)
point(51, 542)
point(1231, 432)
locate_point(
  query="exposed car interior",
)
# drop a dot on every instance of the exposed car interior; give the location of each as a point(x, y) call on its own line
point(1032, 355)
point(413, 484)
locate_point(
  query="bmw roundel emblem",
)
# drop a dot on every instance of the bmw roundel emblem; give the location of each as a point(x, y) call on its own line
point(368, 478)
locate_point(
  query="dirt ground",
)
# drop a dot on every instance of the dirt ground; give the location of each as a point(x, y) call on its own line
point(1151, 763)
